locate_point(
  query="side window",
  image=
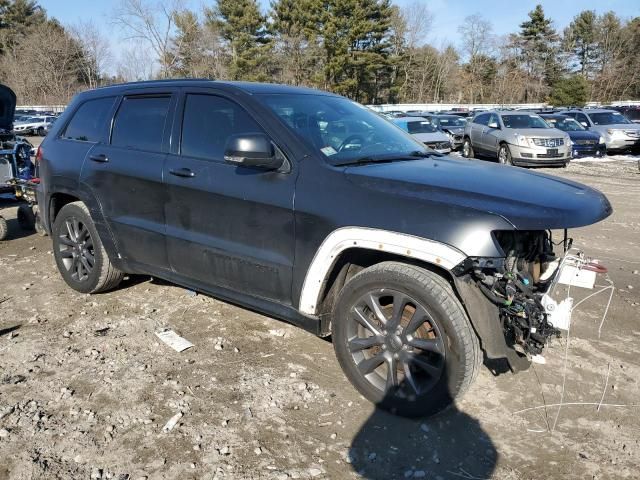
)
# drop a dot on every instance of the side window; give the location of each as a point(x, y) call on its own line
point(581, 117)
point(482, 119)
point(493, 119)
point(207, 124)
point(139, 123)
point(88, 123)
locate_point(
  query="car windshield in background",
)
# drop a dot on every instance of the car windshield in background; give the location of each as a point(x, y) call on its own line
point(342, 130)
point(421, 126)
point(565, 124)
point(608, 118)
point(451, 121)
point(523, 121)
point(632, 114)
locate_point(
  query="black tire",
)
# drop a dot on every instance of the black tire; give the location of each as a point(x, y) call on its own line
point(26, 218)
point(467, 148)
point(451, 346)
point(79, 253)
point(40, 132)
point(4, 228)
point(504, 155)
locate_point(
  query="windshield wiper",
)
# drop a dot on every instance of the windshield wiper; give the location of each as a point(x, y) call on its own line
point(400, 157)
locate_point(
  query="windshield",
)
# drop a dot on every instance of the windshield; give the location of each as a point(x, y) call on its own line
point(452, 121)
point(421, 126)
point(523, 121)
point(566, 124)
point(632, 114)
point(342, 130)
point(608, 118)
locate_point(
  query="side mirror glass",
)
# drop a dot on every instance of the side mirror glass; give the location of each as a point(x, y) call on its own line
point(584, 124)
point(493, 125)
point(252, 150)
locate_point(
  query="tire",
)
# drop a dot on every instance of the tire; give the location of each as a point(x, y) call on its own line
point(442, 359)
point(504, 155)
point(79, 253)
point(38, 225)
point(4, 228)
point(40, 132)
point(467, 148)
point(26, 218)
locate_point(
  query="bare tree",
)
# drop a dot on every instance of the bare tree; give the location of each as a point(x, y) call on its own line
point(96, 50)
point(151, 22)
point(135, 65)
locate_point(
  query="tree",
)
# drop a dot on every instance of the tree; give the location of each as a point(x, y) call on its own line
point(244, 29)
point(538, 46)
point(95, 51)
point(581, 39)
point(477, 47)
point(151, 23)
point(573, 90)
point(16, 18)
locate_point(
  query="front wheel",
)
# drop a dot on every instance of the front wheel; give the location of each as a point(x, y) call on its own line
point(4, 228)
point(79, 253)
point(40, 132)
point(403, 339)
point(504, 155)
point(26, 218)
point(467, 149)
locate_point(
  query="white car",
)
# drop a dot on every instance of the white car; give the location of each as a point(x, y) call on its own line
point(34, 126)
point(425, 132)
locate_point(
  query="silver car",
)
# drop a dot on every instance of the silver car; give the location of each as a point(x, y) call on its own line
point(619, 132)
point(425, 132)
point(516, 138)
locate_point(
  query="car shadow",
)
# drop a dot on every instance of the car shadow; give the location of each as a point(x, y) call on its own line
point(449, 445)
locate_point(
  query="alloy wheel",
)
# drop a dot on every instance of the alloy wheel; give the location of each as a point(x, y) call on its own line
point(77, 249)
point(395, 343)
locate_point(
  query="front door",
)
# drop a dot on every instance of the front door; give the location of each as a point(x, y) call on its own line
point(227, 226)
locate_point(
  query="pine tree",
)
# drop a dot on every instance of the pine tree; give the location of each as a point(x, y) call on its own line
point(16, 18)
point(243, 27)
point(581, 39)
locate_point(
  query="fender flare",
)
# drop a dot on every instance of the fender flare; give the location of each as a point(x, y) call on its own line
point(430, 251)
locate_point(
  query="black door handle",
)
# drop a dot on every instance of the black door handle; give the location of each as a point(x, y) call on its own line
point(182, 172)
point(101, 157)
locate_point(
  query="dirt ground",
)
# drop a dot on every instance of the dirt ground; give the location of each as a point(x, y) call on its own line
point(86, 387)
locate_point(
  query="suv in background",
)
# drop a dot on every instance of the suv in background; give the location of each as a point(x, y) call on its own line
point(425, 132)
point(516, 138)
point(619, 133)
point(631, 112)
point(308, 207)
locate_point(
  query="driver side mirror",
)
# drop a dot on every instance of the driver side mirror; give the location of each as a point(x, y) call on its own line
point(252, 150)
point(584, 124)
point(493, 125)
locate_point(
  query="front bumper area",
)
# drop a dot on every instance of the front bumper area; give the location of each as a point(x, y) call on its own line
point(595, 150)
point(540, 156)
point(622, 143)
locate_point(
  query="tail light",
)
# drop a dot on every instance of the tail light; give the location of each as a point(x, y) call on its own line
point(39, 154)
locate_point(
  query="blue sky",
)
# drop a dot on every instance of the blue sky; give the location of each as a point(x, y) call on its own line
point(505, 15)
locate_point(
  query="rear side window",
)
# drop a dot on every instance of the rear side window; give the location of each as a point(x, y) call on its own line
point(139, 123)
point(208, 123)
point(88, 123)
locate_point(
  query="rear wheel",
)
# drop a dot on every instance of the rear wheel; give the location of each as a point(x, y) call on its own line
point(79, 253)
point(504, 155)
point(40, 132)
point(467, 149)
point(403, 339)
point(26, 217)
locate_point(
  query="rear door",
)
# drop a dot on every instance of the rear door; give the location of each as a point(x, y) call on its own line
point(491, 135)
point(227, 226)
point(125, 174)
point(477, 131)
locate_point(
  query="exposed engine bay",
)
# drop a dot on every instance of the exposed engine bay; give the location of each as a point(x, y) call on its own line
point(517, 284)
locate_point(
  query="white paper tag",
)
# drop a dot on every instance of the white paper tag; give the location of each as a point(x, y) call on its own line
point(174, 340)
point(328, 151)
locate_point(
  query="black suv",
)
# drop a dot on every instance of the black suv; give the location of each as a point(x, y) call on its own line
point(310, 208)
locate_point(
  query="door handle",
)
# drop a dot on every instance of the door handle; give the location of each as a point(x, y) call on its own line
point(102, 158)
point(182, 172)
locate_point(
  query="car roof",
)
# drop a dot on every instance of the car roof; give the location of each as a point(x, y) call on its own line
point(412, 119)
point(595, 110)
point(248, 87)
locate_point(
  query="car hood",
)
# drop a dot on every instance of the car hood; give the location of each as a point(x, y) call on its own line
point(528, 200)
point(455, 130)
point(619, 126)
point(583, 135)
point(536, 132)
point(7, 107)
point(431, 137)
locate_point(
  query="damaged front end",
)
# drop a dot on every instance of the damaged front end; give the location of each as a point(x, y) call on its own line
point(508, 299)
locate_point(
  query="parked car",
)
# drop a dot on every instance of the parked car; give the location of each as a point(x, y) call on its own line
point(33, 126)
point(631, 112)
point(583, 142)
point(451, 125)
point(619, 133)
point(425, 132)
point(260, 195)
point(516, 138)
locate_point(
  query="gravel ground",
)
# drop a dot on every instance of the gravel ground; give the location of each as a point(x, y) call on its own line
point(86, 387)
